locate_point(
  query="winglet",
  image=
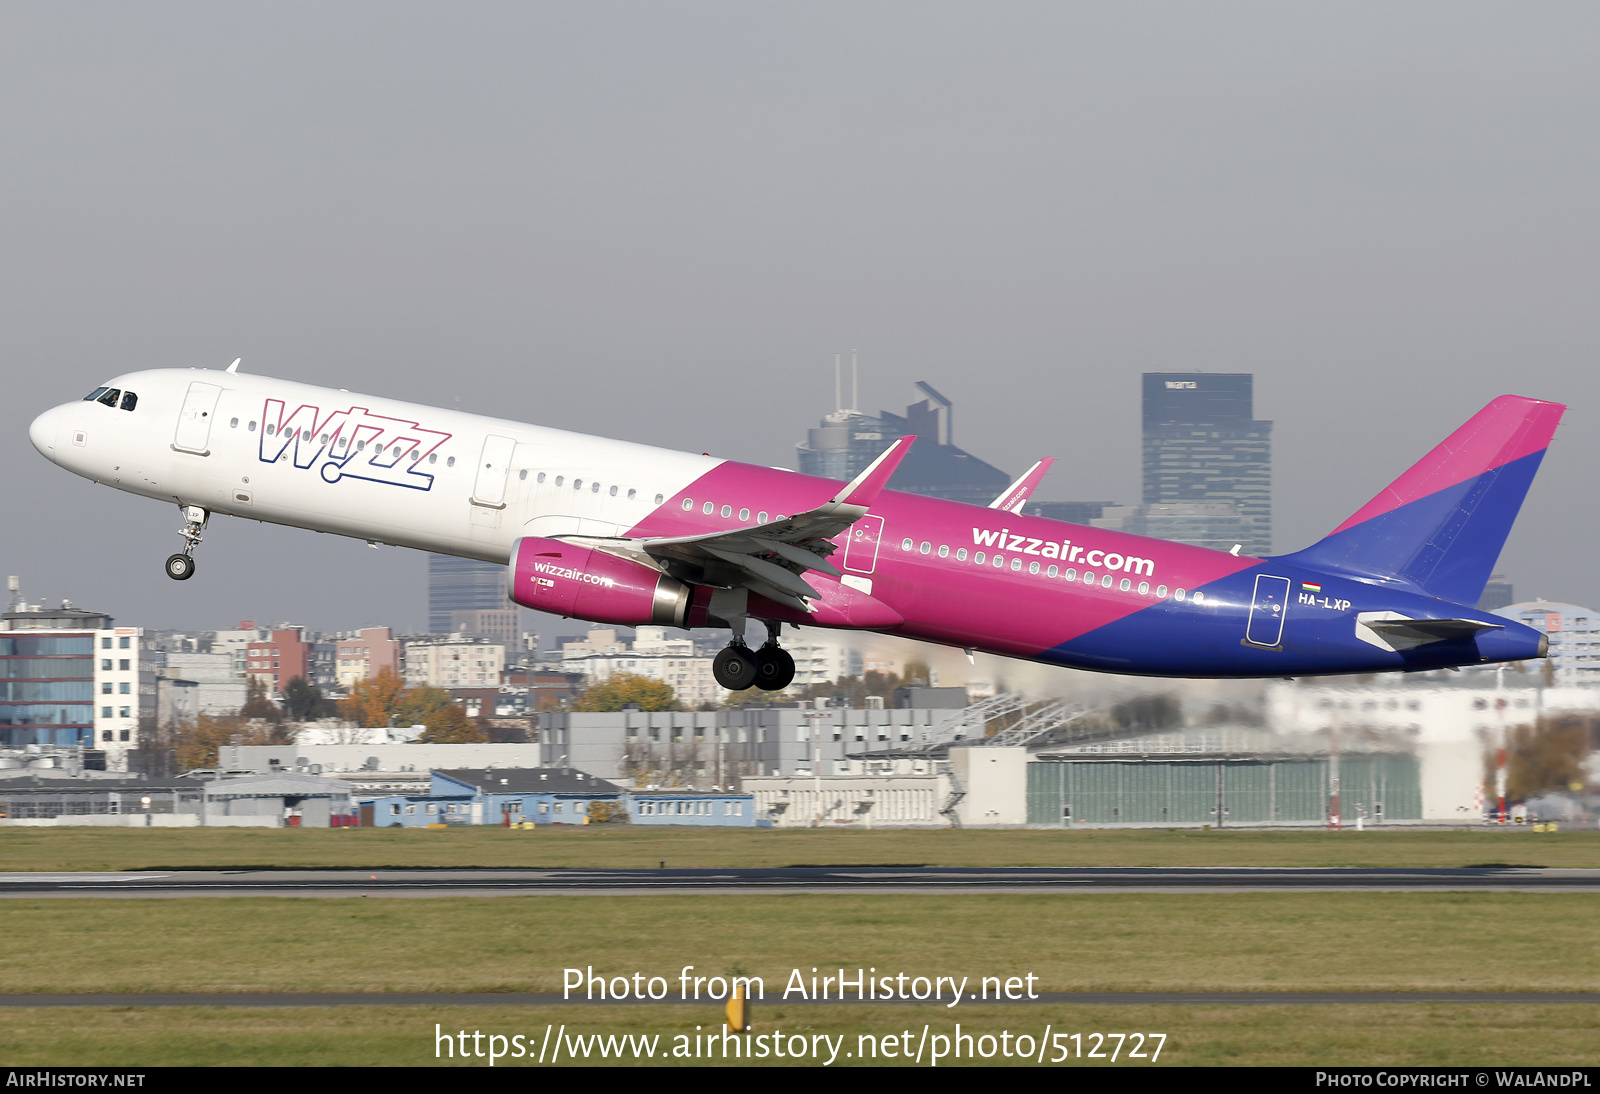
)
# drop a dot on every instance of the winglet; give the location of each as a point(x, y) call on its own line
point(1016, 495)
point(235, 366)
point(870, 483)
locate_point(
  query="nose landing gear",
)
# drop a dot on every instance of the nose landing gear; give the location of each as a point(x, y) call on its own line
point(180, 567)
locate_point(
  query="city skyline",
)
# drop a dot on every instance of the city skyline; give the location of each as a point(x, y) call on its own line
point(667, 235)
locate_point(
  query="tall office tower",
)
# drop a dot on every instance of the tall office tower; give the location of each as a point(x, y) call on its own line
point(1497, 593)
point(501, 626)
point(1203, 448)
point(462, 585)
point(1074, 512)
point(846, 441)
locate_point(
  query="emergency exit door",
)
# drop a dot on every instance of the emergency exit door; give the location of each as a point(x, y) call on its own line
point(1267, 610)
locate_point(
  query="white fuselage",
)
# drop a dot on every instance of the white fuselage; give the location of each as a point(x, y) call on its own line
point(359, 465)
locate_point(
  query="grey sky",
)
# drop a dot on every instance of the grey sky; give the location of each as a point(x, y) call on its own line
point(660, 221)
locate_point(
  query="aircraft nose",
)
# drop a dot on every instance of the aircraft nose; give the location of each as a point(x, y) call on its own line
point(43, 432)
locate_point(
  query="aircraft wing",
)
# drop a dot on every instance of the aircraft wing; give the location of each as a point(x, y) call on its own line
point(1015, 496)
point(768, 559)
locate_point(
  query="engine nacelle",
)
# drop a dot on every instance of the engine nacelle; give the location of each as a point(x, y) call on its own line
point(550, 575)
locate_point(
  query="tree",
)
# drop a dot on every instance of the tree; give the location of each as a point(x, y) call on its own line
point(623, 689)
point(1148, 712)
point(304, 701)
point(1546, 756)
point(372, 702)
point(196, 743)
point(257, 706)
point(446, 722)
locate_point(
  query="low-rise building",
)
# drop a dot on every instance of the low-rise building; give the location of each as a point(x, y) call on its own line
point(717, 747)
point(694, 808)
point(365, 653)
point(560, 795)
point(70, 678)
point(853, 801)
point(453, 662)
point(220, 689)
point(283, 655)
point(1573, 631)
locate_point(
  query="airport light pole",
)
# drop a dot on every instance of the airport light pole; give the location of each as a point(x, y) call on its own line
point(816, 718)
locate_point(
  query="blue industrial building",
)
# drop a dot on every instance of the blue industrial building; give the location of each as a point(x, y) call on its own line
point(505, 795)
point(551, 795)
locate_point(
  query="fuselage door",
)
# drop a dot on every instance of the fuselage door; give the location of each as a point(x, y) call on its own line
point(494, 465)
point(194, 420)
point(1267, 609)
point(861, 546)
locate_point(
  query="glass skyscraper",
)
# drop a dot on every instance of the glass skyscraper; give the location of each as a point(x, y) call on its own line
point(847, 441)
point(1204, 451)
point(462, 585)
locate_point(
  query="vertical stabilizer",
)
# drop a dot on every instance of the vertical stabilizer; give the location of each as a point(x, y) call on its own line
point(1440, 526)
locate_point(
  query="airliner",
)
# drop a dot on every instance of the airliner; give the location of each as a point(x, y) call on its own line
point(623, 533)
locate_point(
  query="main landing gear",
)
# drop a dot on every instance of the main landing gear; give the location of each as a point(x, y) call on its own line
point(180, 567)
point(769, 668)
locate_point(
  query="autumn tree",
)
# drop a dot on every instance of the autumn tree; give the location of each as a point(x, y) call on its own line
point(196, 743)
point(372, 702)
point(446, 723)
point(623, 689)
point(1547, 755)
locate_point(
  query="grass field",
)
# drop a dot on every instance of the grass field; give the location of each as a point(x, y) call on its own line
point(1325, 1036)
point(146, 848)
point(1072, 942)
point(1077, 941)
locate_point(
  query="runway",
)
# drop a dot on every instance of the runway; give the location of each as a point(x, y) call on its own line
point(447, 882)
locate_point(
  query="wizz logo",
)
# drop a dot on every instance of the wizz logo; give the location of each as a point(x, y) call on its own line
point(354, 444)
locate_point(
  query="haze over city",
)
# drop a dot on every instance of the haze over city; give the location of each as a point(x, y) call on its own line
point(662, 222)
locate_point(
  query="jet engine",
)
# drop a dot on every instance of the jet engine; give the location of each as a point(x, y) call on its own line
point(571, 579)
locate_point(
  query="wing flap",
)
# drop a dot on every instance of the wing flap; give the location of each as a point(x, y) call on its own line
point(769, 558)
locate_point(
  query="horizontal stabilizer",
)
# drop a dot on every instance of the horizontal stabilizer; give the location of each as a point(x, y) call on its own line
point(1390, 630)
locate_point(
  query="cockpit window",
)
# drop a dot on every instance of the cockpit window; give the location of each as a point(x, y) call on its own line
point(110, 397)
point(129, 400)
point(95, 394)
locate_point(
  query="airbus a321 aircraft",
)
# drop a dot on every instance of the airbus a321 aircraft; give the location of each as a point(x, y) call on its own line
point(615, 532)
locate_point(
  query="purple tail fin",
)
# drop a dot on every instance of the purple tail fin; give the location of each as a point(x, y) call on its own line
point(1440, 526)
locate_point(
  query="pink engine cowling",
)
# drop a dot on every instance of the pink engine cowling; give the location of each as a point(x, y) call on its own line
point(549, 575)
